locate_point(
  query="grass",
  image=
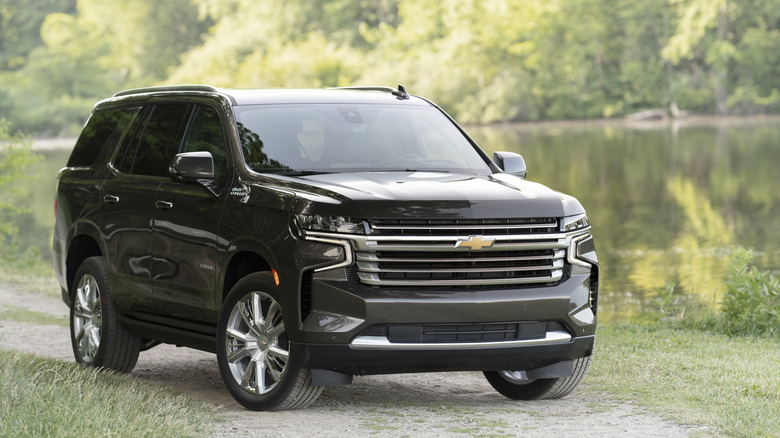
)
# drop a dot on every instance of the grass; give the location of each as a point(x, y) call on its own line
point(34, 277)
point(31, 316)
point(41, 397)
point(731, 384)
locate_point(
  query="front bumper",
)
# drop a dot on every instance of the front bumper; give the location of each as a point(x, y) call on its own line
point(356, 330)
point(349, 360)
point(353, 325)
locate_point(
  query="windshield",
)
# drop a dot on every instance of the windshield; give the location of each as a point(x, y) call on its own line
point(332, 138)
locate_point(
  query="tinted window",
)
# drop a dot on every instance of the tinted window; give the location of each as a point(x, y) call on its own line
point(352, 138)
point(207, 135)
point(103, 132)
point(124, 157)
point(159, 141)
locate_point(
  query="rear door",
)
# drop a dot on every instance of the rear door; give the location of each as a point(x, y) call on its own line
point(128, 202)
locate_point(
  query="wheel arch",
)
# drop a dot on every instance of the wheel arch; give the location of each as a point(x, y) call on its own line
point(242, 263)
point(82, 247)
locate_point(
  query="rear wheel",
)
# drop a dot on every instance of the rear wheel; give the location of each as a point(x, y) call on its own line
point(512, 385)
point(253, 350)
point(97, 337)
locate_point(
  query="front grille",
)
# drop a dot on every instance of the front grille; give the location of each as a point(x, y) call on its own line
point(462, 253)
point(458, 268)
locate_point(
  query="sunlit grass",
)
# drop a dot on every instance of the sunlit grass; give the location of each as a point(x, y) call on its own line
point(40, 397)
point(31, 316)
point(731, 384)
point(34, 277)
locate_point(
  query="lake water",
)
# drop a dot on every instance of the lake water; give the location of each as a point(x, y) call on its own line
point(667, 200)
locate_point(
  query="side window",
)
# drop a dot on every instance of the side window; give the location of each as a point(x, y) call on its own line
point(207, 135)
point(123, 161)
point(159, 141)
point(103, 131)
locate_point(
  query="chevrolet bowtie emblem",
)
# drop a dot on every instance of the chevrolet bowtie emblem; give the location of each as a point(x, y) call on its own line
point(475, 243)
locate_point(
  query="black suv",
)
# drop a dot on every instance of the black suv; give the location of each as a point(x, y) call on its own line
point(306, 236)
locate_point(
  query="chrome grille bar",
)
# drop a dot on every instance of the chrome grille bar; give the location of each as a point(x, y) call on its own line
point(374, 267)
point(466, 227)
point(373, 257)
point(374, 280)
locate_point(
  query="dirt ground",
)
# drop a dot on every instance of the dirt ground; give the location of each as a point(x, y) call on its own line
point(413, 405)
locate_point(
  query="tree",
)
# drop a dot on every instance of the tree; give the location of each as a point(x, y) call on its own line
point(19, 27)
point(15, 155)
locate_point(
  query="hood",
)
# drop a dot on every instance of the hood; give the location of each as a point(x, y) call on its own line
point(427, 195)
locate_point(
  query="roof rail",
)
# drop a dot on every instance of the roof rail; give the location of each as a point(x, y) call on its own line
point(204, 88)
point(400, 93)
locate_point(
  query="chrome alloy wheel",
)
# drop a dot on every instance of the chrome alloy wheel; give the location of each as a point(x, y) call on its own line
point(516, 377)
point(256, 343)
point(87, 317)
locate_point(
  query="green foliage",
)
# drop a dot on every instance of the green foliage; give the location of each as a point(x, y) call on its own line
point(55, 399)
point(86, 54)
point(669, 306)
point(483, 61)
point(16, 155)
point(20, 24)
point(751, 305)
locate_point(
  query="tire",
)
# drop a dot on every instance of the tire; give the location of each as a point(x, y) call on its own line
point(253, 350)
point(97, 338)
point(539, 389)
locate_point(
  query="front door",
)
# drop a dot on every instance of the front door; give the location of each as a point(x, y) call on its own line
point(186, 232)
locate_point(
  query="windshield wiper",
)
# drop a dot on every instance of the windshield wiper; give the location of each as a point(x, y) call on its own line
point(302, 172)
point(411, 170)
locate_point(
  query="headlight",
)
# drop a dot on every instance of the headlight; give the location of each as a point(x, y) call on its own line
point(333, 224)
point(576, 222)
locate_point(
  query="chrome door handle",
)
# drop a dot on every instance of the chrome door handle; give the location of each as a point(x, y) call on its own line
point(163, 205)
point(111, 199)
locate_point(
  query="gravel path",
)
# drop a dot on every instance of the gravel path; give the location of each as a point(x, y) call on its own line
point(413, 405)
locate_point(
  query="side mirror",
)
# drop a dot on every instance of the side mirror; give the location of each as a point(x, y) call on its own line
point(192, 166)
point(511, 163)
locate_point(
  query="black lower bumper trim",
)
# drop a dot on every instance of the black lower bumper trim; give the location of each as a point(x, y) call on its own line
point(348, 360)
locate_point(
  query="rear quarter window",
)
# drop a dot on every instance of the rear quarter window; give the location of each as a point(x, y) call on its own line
point(103, 131)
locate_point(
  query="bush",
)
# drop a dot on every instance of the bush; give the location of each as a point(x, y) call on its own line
point(751, 305)
point(15, 155)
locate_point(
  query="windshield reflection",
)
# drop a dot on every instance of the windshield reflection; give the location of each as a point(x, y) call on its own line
point(319, 138)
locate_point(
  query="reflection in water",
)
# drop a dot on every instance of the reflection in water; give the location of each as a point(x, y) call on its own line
point(666, 201)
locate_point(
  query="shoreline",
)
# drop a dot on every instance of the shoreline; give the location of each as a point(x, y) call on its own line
point(63, 143)
point(669, 122)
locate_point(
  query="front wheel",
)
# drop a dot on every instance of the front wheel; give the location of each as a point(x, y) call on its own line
point(253, 350)
point(508, 383)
